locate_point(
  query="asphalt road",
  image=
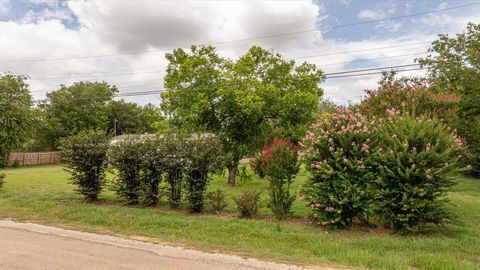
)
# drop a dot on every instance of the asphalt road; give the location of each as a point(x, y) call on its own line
point(33, 246)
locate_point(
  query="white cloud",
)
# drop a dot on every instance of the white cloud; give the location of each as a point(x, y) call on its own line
point(4, 6)
point(167, 24)
point(368, 14)
point(46, 14)
point(107, 28)
point(442, 5)
point(391, 26)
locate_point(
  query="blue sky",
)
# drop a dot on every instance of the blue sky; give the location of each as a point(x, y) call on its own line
point(48, 29)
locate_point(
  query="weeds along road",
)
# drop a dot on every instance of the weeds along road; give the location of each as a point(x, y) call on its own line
point(33, 246)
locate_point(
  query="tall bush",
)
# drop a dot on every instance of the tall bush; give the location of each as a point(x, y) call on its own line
point(175, 160)
point(153, 167)
point(204, 156)
point(337, 152)
point(126, 157)
point(281, 160)
point(84, 156)
point(416, 161)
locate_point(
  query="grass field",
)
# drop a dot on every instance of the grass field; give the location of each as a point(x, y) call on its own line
point(42, 194)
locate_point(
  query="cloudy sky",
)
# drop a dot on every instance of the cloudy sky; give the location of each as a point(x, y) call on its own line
point(123, 42)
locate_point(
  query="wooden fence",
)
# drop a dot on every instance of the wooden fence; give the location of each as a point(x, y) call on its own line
point(34, 158)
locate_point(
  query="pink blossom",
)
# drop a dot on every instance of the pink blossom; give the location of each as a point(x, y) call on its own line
point(391, 112)
point(413, 166)
point(365, 147)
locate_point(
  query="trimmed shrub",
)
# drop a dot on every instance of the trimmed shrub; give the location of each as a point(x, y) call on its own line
point(175, 161)
point(337, 152)
point(416, 164)
point(281, 160)
point(216, 200)
point(2, 176)
point(247, 203)
point(126, 157)
point(153, 166)
point(203, 157)
point(84, 156)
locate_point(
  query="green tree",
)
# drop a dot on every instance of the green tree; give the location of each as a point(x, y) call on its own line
point(241, 101)
point(16, 113)
point(123, 118)
point(454, 59)
point(71, 109)
point(455, 68)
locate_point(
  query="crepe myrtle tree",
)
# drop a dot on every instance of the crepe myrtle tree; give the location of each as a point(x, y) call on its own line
point(240, 101)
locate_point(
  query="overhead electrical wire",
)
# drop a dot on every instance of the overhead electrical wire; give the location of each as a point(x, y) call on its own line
point(251, 38)
point(336, 75)
point(76, 76)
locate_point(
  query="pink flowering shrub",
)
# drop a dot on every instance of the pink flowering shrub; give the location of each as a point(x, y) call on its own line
point(409, 95)
point(338, 153)
point(416, 161)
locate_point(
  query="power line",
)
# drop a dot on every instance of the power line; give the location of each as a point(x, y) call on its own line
point(251, 38)
point(371, 73)
point(163, 71)
point(366, 60)
point(328, 76)
point(355, 51)
point(370, 69)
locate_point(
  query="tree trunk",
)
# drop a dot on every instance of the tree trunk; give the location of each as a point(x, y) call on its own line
point(232, 173)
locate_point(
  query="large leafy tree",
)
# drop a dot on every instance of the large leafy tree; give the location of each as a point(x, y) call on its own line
point(16, 113)
point(240, 101)
point(71, 109)
point(454, 66)
point(455, 60)
point(125, 117)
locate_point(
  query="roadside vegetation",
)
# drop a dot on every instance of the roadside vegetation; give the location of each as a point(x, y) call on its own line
point(42, 194)
point(391, 174)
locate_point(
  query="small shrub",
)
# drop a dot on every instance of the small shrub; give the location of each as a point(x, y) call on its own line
point(281, 160)
point(258, 164)
point(216, 200)
point(417, 162)
point(84, 155)
point(126, 157)
point(338, 151)
point(2, 176)
point(247, 203)
point(203, 155)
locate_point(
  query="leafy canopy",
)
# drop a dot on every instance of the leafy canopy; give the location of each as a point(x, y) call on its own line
point(454, 59)
point(240, 101)
point(79, 107)
point(16, 113)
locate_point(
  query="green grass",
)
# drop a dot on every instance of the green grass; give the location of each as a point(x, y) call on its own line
point(42, 194)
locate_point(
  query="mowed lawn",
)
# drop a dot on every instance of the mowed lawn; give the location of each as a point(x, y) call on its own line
point(42, 194)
